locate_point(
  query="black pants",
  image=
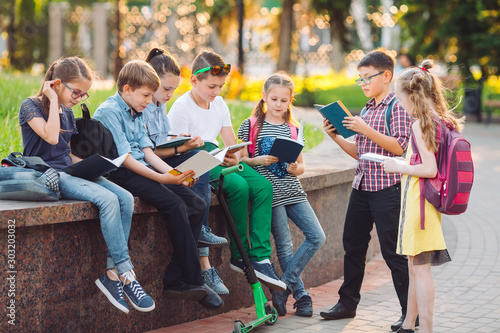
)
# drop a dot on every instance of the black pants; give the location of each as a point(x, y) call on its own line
point(174, 202)
point(381, 207)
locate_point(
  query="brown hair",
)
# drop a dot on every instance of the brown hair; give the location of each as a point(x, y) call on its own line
point(277, 79)
point(68, 70)
point(163, 62)
point(207, 59)
point(380, 60)
point(136, 74)
point(425, 92)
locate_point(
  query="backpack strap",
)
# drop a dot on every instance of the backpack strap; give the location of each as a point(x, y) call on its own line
point(421, 183)
point(293, 131)
point(85, 111)
point(388, 115)
point(252, 133)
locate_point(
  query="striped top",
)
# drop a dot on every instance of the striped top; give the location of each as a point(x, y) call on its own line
point(370, 176)
point(286, 191)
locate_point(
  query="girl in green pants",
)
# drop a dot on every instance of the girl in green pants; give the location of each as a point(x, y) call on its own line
point(201, 111)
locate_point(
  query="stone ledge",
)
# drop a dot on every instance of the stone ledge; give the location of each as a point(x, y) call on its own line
point(30, 213)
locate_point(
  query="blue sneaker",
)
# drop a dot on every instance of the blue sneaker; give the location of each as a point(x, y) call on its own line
point(279, 300)
point(136, 295)
point(264, 271)
point(207, 238)
point(213, 280)
point(113, 291)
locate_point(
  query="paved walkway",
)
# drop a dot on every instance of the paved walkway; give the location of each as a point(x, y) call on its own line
point(467, 289)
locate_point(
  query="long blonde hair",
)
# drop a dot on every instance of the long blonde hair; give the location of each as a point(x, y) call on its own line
point(277, 79)
point(425, 92)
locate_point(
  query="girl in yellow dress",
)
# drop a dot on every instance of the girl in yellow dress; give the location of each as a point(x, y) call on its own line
point(420, 93)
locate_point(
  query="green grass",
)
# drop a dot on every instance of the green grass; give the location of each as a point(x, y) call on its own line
point(15, 87)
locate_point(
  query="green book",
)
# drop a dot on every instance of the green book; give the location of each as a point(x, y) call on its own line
point(336, 112)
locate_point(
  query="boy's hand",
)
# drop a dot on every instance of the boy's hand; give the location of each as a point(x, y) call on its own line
point(194, 143)
point(267, 159)
point(356, 124)
point(329, 129)
point(230, 160)
point(179, 179)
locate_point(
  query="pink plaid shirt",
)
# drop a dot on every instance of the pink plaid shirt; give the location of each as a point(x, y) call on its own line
point(369, 175)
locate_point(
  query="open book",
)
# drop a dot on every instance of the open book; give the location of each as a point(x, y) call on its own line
point(178, 141)
point(200, 163)
point(232, 148)
point(287, 149)
point(94, 166)
point(379, 158)
point(336, 112)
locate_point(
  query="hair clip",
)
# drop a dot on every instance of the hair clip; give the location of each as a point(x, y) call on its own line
point(158, 51)
point(424, 69)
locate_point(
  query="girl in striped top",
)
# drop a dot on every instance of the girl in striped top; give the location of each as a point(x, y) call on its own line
point(272, 117)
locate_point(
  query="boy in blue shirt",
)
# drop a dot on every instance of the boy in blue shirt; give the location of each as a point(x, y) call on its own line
point(147, 176)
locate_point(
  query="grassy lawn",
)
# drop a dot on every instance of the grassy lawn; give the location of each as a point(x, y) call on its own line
point(14, 88)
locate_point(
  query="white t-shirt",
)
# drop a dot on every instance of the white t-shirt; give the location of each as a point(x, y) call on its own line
point(187, 117)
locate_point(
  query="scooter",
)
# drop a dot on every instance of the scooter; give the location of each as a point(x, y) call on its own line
point(265, 313)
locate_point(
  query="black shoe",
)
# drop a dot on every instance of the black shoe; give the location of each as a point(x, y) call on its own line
point(304, 306)
point(339, 311)
point(279, 300)
point(184, 291)
point(212, 300)
point(402, 330)
point(399, 323)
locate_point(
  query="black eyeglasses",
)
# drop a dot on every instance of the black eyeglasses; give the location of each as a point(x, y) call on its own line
point(215, 69)
point(76, 95)
point(367, 80)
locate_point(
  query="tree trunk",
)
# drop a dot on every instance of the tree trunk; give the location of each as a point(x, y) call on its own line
point(358, 12)
point(241, 15)
point(11, 41)
point(285, 38)
point(385, 40)
point(118, 58)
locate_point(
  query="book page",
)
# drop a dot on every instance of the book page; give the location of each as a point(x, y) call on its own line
point(119, 160)
point(377, 158)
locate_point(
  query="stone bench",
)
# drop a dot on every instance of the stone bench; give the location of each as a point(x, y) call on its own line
point(60, 252)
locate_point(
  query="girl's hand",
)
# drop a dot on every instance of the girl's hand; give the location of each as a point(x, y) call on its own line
point(329, 129)
point(356, 124)
point(48, 91)
point(390, 165)
point(267, 159)
point(292, 167)
point(191, 183)
point(194, 143)
point(230, 160)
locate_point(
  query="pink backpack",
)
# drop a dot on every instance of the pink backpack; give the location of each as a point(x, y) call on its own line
point(252, 136)
point(449, 191)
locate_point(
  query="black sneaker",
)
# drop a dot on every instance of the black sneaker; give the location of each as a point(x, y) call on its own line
point(184, 291)
point(113, 291)
point(279, 300)
point(304, 306)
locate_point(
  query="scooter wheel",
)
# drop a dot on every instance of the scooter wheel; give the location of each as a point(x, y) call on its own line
point(270, 310)
point(238, 327)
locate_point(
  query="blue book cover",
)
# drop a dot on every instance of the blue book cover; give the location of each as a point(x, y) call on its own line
point(336, 112)
point(287, 149)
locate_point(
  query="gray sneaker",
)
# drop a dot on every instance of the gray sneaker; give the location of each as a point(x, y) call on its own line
point(207, 238)
point(213, 280)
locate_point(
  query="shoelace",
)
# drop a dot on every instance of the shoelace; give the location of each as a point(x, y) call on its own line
point(135, 287)
point(120, 285)
point(215, 276)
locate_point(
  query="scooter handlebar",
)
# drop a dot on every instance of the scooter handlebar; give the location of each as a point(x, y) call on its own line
point(236, 168)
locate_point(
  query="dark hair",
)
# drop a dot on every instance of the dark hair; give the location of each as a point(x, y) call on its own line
point(68, 70)
point(380, 60)
point(136, 74)
point(425, 92)
point(277, 79)
point(207, 59)
point(163, 62)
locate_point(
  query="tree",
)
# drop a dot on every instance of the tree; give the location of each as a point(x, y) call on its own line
point(285, 36)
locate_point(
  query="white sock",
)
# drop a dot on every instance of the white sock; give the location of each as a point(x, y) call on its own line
point(265, 261)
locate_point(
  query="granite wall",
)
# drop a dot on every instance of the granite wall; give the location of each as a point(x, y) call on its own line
point(60, 252)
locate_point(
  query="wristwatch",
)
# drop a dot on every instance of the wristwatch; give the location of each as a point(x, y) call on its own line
point(176, 151)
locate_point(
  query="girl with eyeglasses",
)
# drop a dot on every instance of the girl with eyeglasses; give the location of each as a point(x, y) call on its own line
point(47, 124)
point(201, 111)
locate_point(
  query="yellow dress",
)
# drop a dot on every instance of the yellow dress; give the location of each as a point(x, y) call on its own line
point(412, 240)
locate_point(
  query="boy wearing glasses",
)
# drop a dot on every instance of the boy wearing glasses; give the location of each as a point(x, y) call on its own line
point(375, 196)
point(147, 176)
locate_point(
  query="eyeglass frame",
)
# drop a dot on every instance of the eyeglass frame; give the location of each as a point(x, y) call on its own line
point(362, 80)
point(83, 97)
point(206, 69)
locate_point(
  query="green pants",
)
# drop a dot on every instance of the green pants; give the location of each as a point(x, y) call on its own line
point(240, 189)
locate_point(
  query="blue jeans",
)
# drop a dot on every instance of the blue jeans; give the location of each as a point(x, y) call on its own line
point(292, 264)
point(116, 207)
point(201, 188)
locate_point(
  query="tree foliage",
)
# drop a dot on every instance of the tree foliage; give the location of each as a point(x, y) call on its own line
point(463, 32)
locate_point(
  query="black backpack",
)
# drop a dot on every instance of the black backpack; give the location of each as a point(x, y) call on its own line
point(92, 138)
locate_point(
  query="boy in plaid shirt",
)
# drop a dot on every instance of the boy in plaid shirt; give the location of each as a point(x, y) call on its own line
point(375, 196)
